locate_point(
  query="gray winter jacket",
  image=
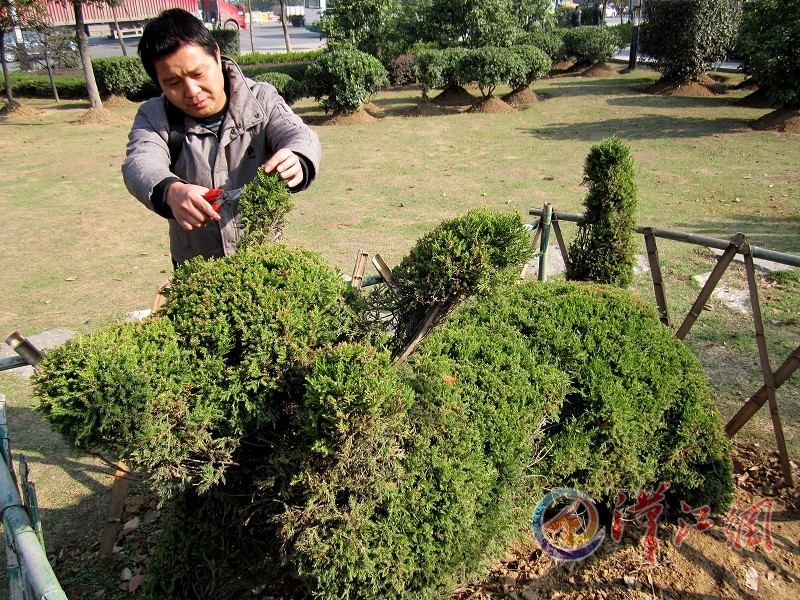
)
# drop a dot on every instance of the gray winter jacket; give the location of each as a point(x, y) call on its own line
point(257, 124)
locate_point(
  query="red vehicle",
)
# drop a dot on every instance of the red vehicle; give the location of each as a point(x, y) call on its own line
point(232, 15)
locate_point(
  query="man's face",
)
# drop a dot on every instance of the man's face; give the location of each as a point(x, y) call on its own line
point(192, 80)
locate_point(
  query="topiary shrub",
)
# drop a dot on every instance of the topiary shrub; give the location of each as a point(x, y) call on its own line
point(551, 41)
point(639, 410)
point(440, 69)
point(228, 41)
point(766, 45)
point(604, 249)
point(490, 67)
point(590, 45)
point(685, 37)
point(535, 64)
point(290, 89)
point(344, 78)
point(123, 76)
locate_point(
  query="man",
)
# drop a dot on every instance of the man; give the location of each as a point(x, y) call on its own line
point(233, 126)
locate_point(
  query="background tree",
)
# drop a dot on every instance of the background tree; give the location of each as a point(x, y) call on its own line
point(475, 23)
point(769, 44)
point(685, 37)
point(285, 26)
point(86, 61)
point(25, 14)
point(531, 14)
point(363, 24)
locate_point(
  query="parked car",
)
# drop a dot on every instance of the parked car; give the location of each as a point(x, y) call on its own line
point(33, 44)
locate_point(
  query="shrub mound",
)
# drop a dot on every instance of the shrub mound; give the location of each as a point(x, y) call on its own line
point(267, 394)
point(288, 87)
point(343, 78)
point(123, 76)
point(590, 45)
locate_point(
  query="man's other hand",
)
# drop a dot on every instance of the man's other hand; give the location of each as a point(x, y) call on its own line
point(287, 165)
point(189, 208)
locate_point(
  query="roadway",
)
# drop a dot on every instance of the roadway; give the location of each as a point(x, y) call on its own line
point(267, 37)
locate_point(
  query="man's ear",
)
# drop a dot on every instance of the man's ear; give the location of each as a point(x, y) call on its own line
point(218, 54)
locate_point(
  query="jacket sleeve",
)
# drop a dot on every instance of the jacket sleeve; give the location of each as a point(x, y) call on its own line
point(286, 130)
point(147, 161)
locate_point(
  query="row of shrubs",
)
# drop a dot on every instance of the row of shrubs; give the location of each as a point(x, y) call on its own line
point(519, 65)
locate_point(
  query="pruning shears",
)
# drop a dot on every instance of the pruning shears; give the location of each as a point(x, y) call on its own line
point(218, 197)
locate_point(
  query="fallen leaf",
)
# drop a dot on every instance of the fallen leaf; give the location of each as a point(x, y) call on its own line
point(134, 583)
point(126, 574)
point(751, 578)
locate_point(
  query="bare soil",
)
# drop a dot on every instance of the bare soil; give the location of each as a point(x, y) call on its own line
point(360, 117)
point(429, 109)
point(491, 105)
point(116, 101)
point(373, 109)
point(599, 70)
point(786, 120)
point(99, 116)
point(521, 99)
point(15, 109)
point(693, 89)
point(454, 96)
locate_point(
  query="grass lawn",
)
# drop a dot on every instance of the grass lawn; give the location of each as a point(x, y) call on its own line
point(80, 252)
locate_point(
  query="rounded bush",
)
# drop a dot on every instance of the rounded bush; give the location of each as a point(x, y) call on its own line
point(439, 69)
point(123, 76)
point(344, 78)
point(551, 41)
point(490, 67)
point(289, 88)
point(535, 64)
point(590, 45)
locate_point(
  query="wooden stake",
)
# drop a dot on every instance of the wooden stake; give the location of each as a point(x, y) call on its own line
point(420, 334)
point(384, 271)
point(769, 382)
point(31, 354)
point(114, 518)
point(655, 273)
point(758, 399)
point(560, 238)
point(713, 280)
point(358, 269)
point(161, 299)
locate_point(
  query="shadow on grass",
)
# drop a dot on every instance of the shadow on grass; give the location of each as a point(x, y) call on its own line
point(644, 127)
point(643, 99)
point(601, 86)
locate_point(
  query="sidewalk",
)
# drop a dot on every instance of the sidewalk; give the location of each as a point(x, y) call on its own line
point(623, 56)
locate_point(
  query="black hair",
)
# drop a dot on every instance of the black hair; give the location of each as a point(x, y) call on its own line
point(165, 35)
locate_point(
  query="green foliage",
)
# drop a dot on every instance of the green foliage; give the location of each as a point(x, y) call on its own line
point(344, 78)
point(531, 14)
point(535, 65)
point(228, 41)
point(624, 33)
point(768, 44)
point(590, 45)
point(639, 410)
point(261, 58)
point(288, 87)
point(123, 76)
point(490, 67)
point(368, 25)
point(475, 23)
point(263, 204)
point(550, 41)
point(37, 85)
point(604, 249)
point(438, 69)
point(685, 37)
point(461, 257)
point(296, 71)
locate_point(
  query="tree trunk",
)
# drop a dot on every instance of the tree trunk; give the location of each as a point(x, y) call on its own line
point(285, 26)
point(83, 47)
point(119, 31)
point(217, 23)
point(252, 43)
point(6, 80)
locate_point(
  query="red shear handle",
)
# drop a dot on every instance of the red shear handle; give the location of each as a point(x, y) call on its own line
point(212, 196)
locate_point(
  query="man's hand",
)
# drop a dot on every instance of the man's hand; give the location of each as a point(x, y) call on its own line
point(189, 208)
point(287, 165)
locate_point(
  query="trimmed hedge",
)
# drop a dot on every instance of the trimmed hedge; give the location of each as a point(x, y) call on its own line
point(268, 58)
point(123, 76)
point(344, 78)
point(291, 89)
point(589, 45)
point(228, 41)
point(439, 69)
point(535, 65)
point(35, 85)
point(490, 67)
